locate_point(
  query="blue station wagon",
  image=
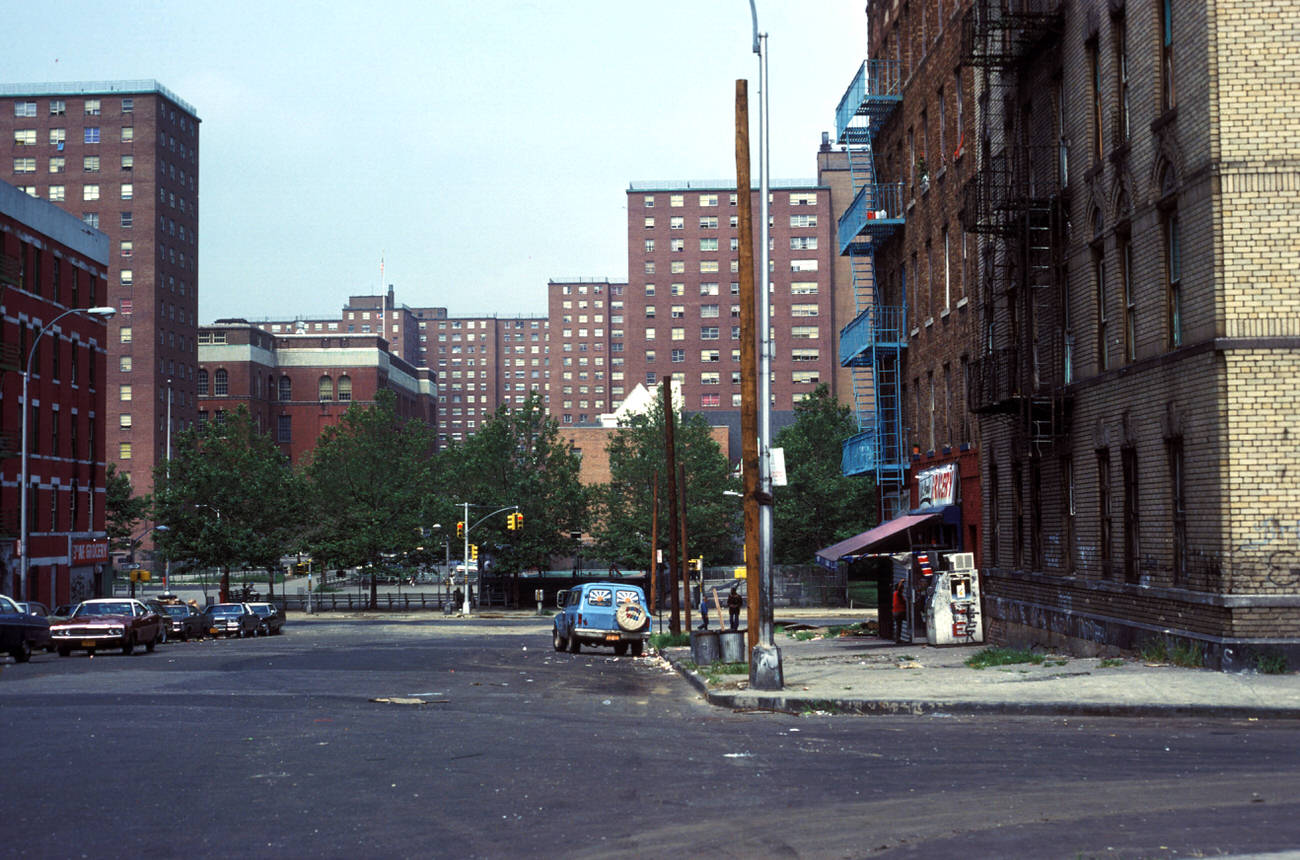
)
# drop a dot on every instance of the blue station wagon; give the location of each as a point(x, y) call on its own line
point(602, 613)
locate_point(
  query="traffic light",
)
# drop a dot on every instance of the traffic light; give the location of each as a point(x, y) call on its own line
point(460, 528)
point(510, 522)
point(519, 522)
point(473, 552)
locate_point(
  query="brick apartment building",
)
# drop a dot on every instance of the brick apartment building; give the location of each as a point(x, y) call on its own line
point(295, 384)
point(50, 263)
point(1124, 176)
point(124, 157)
point(480, 362)
point(681, 304)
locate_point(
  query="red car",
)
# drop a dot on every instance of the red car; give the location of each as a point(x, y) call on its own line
point(110, 622)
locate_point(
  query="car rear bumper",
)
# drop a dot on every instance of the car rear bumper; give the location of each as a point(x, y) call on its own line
point(594, 634)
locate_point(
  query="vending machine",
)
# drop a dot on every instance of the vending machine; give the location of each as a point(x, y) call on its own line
point(953, 609)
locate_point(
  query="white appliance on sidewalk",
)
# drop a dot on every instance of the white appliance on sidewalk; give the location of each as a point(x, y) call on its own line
point(953, 616)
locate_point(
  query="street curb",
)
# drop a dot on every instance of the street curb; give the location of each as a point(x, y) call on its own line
point(777, 703)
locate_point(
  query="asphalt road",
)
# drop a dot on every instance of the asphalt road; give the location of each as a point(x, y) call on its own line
point(274, 747)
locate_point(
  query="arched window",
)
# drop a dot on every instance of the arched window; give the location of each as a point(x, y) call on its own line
point(286, 388)
point(203, 382)
point(345, 387)
point(220, 383)
point(326, 388)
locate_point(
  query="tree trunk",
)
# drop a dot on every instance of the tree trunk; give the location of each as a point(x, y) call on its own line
point(374, 591)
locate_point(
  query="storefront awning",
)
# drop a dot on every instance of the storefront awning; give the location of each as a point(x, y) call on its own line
point(886, 536)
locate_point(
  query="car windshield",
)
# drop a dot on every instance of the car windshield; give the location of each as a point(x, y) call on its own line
point(103, 609)
point(177, 611)
point(226, 609)
point(262, 608)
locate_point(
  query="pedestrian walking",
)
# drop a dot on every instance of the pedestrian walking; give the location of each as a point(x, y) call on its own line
point(733, 607)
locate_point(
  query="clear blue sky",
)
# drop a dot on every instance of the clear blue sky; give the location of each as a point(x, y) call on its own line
point(480, 146)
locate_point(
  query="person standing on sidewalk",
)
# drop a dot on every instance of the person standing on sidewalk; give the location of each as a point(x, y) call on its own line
point(704, 609)
point(733, 607)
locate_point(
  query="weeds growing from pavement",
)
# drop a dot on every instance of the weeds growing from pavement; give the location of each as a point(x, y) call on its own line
point(1188, 655)
point(669, 640)
point(1109, 662)
point(1002, 657)
point(1271, 664)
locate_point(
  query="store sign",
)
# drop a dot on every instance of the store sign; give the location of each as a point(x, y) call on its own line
point(89, 551)
point(937, 486)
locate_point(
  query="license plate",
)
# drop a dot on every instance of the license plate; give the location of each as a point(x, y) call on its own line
point(611, 637)
point(213, 630)
point(88, 643)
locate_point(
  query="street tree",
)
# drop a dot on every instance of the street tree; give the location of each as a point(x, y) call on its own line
point(636, 456)
point(123, 509)
point(228, 498)
point(518, 458)
point(820, 505)
point(370, 480)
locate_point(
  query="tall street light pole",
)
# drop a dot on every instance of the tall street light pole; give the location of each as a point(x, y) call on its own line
point(23, 489)
point(765, 661)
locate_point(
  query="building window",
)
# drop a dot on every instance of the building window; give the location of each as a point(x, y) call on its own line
point(678, 355)
point(24, 109)
point(709, 332)
point(803, 310)
point(90, 135)
point(90, 164)
point(325, 388)
point(1094, 67)
point(1130, 298)
point(1168, 95)
point(1121, 71)
point(25, 137)
point(1103, 302)
point(124, 450)
point(92, 107)
point(1174, 269)
point(203, 382)
point(220, 383)
point(677, 222)
point(804, 332)
point(1104, 511)
point(345, 388)
point(90, 192)
point(711, 399)
point(124, 393)
point(124, 334)
point(128, 191)
point(284, 429)
point(1128, 463)
point(24, 165)
point(286, 389)
point(1178, 508)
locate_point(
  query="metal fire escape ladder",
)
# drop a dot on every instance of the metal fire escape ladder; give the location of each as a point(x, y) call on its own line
point(871, 345)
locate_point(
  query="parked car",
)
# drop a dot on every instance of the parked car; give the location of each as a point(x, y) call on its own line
point(21, 631)
point(272, 618)
point(31, 607)
point(108, 622)
point(230, 619)
point(186, 622)
point(63, 611)
point(602, 613)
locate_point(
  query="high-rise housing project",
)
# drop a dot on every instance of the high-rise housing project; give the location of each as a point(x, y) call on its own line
point(1084, 215)
point(123, 156)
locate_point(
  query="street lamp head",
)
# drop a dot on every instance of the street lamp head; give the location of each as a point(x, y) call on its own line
point(105, 312)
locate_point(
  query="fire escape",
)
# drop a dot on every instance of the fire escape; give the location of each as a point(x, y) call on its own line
point(872, 344)
point(1016, 200)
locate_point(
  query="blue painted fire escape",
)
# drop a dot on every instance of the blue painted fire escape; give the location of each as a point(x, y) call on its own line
point(872, 344)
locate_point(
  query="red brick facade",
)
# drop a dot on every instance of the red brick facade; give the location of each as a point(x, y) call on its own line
point(50, 262)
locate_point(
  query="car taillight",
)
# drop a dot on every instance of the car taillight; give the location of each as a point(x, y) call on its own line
point(582, 622)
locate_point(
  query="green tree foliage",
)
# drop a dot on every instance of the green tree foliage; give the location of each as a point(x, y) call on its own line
point(820, 505)
point(518, 458)
point(369, 480)
point(123, 510)
point(636, 454)
point(228, 497)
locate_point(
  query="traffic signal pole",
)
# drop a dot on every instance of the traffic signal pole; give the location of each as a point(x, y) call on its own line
point(465, 557)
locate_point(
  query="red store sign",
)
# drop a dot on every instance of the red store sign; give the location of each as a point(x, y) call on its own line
point(89, 551)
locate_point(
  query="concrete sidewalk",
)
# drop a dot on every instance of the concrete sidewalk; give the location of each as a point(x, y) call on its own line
point(866, 674)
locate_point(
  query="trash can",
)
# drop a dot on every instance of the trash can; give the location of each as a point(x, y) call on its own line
point(704, 647)
point(732, 646)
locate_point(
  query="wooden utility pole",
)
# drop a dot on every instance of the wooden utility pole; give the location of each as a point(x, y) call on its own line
point(654, 548)
point(748, 364)
point(674, 565)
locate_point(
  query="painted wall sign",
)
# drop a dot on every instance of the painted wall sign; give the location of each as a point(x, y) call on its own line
point(89, 551)
point(937, 486)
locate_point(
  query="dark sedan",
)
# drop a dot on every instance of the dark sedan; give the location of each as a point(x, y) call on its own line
point(272, 618)
point(21, 631)
point(230, 619)
point(186, 621)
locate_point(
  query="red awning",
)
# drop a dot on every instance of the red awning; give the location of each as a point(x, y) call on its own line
point(872, 539)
